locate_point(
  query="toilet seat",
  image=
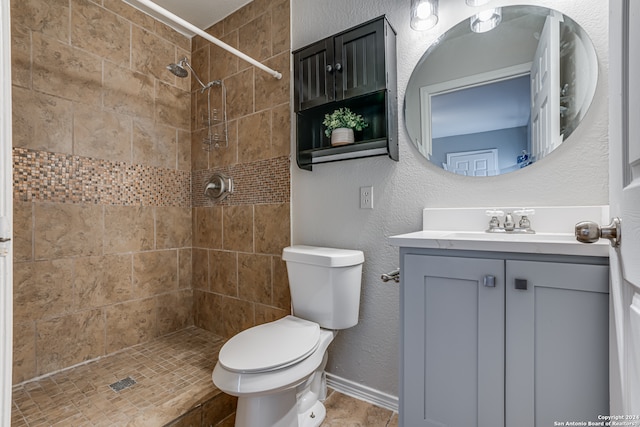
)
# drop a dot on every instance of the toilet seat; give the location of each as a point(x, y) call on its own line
point(270, 346)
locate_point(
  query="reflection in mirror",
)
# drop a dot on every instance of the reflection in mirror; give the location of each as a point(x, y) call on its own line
point(484, 104)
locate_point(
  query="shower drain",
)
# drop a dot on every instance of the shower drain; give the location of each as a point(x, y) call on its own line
point(122, 384)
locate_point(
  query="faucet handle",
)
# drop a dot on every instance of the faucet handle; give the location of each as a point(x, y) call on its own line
point(525, 212)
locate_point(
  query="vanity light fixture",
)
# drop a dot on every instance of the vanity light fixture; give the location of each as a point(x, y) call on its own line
point(486, 20)
point(474, 3)
point(424, 14)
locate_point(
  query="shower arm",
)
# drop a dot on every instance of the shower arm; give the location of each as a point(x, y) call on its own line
point(209, 37)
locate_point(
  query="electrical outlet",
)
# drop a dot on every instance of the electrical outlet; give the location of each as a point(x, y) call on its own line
point(366, 197)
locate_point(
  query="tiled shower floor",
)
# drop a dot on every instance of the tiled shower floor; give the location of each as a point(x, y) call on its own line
point(172, 375)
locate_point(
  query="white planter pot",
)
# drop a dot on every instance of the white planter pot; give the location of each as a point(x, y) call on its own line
point(342, 136)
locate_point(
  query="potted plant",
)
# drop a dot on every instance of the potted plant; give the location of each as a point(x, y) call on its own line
point(340, 124)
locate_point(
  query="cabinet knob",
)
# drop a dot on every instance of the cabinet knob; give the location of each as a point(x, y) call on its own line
point(338, 66)
point(329, 69)
point(489, 281)
point(521, 284)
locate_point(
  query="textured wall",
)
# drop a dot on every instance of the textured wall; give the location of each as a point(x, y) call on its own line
point(325, 202)
point(239, 277)
point(102, 202)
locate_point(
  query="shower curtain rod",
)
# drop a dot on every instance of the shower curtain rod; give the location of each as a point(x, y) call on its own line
point(207, 36)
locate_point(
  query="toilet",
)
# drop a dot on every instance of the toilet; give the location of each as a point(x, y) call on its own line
point(277, 369)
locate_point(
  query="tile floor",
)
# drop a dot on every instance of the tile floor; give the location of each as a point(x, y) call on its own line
point(173, 377)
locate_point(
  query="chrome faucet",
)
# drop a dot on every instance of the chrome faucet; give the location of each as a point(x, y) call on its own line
point(509, 226)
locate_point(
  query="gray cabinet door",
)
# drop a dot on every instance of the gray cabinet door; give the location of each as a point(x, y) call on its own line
point(556, 343)
point(452, 342)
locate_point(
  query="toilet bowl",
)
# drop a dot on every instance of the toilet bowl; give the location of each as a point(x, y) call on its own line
point(277, 369)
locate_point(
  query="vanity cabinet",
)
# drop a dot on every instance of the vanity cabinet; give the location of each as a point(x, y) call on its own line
point(354, 69)
point(500, 339)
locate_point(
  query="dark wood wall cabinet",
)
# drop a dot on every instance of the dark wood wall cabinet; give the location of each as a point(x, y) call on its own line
point(355, 69)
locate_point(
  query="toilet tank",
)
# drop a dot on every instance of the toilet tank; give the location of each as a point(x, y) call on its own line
point(325, 284)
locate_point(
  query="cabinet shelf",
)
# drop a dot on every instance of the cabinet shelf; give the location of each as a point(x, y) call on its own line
point(355, 69)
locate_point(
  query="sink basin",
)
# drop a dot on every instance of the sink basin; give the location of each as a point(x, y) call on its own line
point(512, 237)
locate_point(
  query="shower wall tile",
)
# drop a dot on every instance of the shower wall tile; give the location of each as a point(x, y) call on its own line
point(207, 227)
point(173, 227)
point(102, 280)
point(172, 106)
point(240, 94)
point(240, 17)
point(154, 144)
point(254, 277)
point(24, 351)
point(238, 228)
point(272, 227)
point(281, 294)
point(41, 122)
point(255, 37)
point(184, 150)
point(96, 29)
point(69, 73)
point(185, 268)
point(22, 231)
point(221, 62)
point(132, 14)
point(128, 229)
point(102, 182)
point(155, 272)
point(82, 340)
point(223, 277)
point(174, 311)
point(151, 54)
point(270, 91)
point(265, 313)
point(254, 137)
point(200, 272)
point(49, 17)
point(42, 289)
point(101, 134)
point(20, 56)
point(281, 130)
point(281, 31)
point(64, 230)
point(128, 92)
point(130, 323)
point(200, 63)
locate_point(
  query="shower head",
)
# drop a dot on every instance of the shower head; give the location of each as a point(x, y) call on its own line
point(178, 70)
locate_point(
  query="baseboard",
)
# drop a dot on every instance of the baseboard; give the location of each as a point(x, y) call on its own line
point(362, 392)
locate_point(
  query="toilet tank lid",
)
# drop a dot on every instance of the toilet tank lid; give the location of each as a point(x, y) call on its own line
point(324, 257)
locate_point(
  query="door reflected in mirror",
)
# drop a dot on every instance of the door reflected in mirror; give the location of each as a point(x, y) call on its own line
point(483, 104)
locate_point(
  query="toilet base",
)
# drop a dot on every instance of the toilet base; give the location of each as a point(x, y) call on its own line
point(313, 417)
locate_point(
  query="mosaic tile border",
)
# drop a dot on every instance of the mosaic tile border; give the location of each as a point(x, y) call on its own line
point(264, 181)
point(64, 178)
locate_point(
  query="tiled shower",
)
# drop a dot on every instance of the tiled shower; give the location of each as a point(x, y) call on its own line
point(115, 245)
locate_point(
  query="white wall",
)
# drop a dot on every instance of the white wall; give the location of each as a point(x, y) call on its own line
point(325, 202)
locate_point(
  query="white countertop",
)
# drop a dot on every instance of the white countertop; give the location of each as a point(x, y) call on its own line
point(540, 243)
point(463, 229)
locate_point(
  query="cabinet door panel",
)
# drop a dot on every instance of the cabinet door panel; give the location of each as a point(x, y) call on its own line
point(556, 343)
point(362, 59)
point(452, 326)
point(314, 85)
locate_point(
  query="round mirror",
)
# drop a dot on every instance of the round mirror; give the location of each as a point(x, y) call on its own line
point(504, 95)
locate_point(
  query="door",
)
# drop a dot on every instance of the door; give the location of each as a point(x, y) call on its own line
point(6, 210)
point(556, 343)
point(473, 163)
point(545, 95)
point(314, 75)
point(624, 199)
point(453, 342)
point(360, 60)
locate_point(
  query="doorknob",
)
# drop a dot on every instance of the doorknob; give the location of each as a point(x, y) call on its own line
point(590, 232)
